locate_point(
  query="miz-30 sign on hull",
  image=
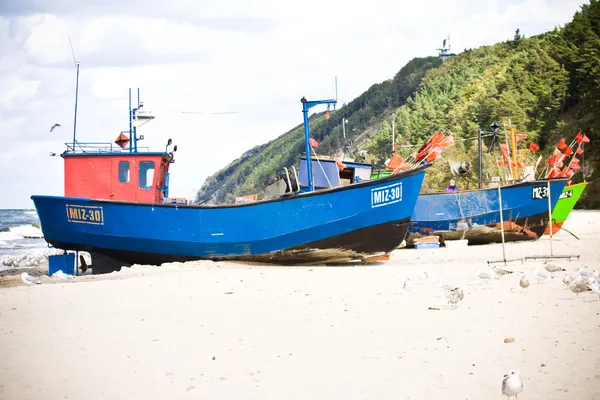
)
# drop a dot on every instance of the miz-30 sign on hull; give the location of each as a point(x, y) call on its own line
point(386, 195)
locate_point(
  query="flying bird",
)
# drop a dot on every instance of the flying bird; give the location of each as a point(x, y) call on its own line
point(54, 126)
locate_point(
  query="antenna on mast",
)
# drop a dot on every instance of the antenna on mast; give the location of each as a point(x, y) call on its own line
point(76, 92)
point(444, 51)
point(336, 92)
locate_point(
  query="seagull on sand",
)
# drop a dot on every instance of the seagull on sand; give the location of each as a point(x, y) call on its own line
point(485, 275)
point(578, 286)
point(524, 282)
point(591, 280)
point(583, 273)
point(30, 280)
point(512, 385)
point(501, 271)
point(595, 288)
point(454, 296)
point(444, 286)
point(567, 280)
point(540, 275)
point(552, 268)
point(54, 127)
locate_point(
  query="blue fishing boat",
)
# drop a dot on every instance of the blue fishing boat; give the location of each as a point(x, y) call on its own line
point(117, 207)
point(475, 214)
point(515, 209)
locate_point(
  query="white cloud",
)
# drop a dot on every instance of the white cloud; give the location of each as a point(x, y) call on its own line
point(257, 58)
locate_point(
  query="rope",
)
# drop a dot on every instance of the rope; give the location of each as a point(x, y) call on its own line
point(322, 169)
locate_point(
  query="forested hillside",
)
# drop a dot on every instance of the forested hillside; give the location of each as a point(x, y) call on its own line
point(247, 174)
point(548, 86)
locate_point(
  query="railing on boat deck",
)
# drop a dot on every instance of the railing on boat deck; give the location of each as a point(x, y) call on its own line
point(98, 147)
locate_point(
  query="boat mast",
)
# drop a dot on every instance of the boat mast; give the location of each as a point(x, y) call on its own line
point(130, 124)
point(307, 105)
point(479, 155)
point(394, 136)
point(135, 110)
point(76, 96)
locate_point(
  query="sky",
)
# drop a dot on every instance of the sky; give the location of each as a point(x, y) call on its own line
point(255, 58)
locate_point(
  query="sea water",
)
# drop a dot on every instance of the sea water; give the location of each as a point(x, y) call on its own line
point(20, 235)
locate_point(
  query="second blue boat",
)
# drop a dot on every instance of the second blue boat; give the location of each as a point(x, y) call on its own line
point(475, 215)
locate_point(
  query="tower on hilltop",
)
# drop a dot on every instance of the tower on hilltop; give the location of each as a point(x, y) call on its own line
point(444, 51)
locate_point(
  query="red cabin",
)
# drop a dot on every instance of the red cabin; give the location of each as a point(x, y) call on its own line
point(104, 171)
point(124, 176)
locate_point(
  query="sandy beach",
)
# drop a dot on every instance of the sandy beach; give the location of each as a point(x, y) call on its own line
point(228, 330)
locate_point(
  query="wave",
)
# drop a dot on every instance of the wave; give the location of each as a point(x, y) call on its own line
point(27, 231)
point(30, 212)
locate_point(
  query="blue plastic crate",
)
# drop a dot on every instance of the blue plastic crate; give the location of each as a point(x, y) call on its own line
point(63, 262)
point(427, 245)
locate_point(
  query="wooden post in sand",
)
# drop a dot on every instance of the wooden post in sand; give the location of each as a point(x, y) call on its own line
point(504, 260)
point(550, 218)
point(501, 222)
point(567, 256)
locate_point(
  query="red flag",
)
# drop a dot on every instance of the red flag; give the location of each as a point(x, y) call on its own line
point(533, 147)
point(585, 139)
point(447, 141)
point(579, 150)
point(575, 167)
point(568, 152)
point(579, 138)
point(520, 136)
point(313, 142)
point(395, 162)
point(504, 151)
point(561, 144)
point(575, 160)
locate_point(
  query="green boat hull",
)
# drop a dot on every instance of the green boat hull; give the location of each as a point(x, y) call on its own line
point(569, 197)
point(380, 174)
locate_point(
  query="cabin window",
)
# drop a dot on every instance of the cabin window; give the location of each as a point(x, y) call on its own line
point(146, 174)
point(124, 171)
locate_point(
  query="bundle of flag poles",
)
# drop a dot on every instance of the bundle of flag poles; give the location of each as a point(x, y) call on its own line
point(557, 166)
point(426, 154)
